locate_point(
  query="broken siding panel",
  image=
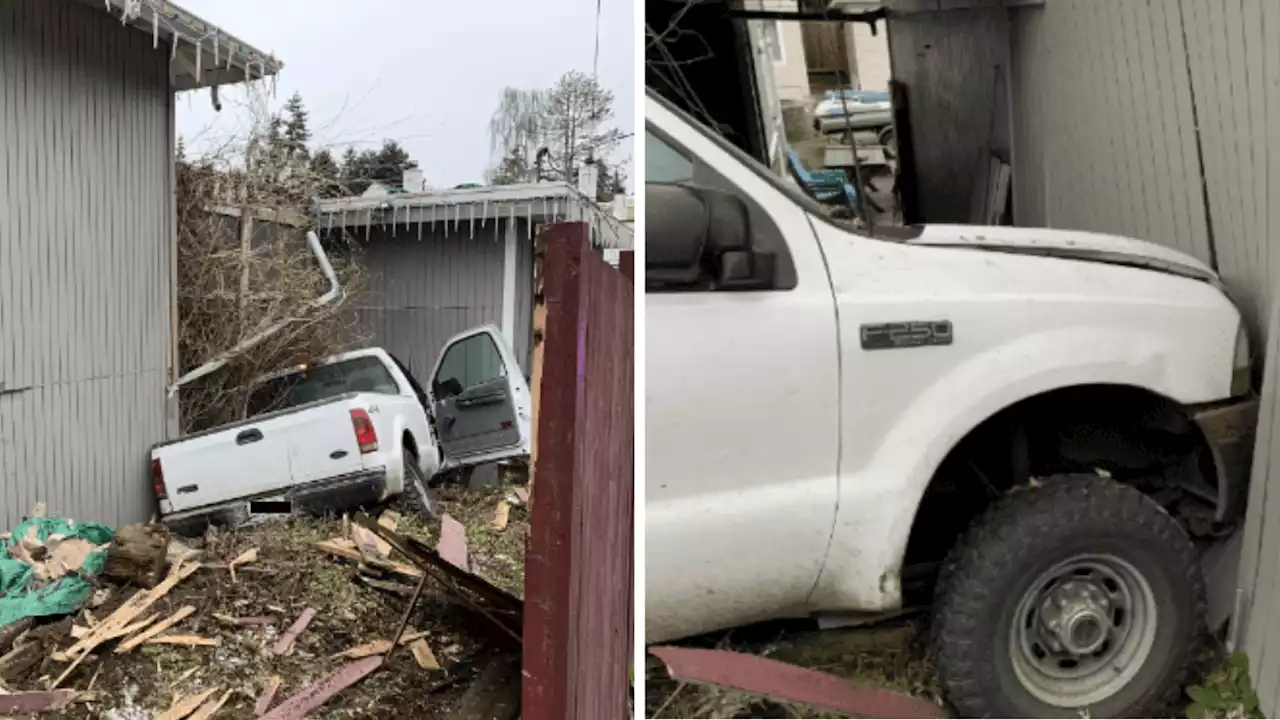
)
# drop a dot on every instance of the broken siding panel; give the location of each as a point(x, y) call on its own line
point(84, 130)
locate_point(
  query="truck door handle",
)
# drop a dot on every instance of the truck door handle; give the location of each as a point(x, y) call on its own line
point(248, 436)
point(489, 399)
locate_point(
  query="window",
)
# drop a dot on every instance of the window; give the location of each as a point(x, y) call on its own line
point(413, 382)
point(363, 374)
point(663, 163)
point(472, 361)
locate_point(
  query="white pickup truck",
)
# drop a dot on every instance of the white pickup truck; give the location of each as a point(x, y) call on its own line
point(1045, 426)
point(350, 430)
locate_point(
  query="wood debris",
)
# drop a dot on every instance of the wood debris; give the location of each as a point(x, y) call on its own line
point(246, 621)
point(210, 707)
point(244, 558)
point(182, 707)
point(183, 676)
point(268, 694)
point(367, 542)
point(523, 494)
point(120, 619)
point(453, 542)
point(290, 637)
point(318, 693)
point(377, 647)
point(501, 515)
point(390, 520)
point(187, 640)
point(27, 703)
point(422, 653)
point(66, 555)
point(346, 549)
point(156, 629)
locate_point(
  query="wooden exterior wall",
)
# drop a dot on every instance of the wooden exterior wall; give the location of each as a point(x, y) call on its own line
point(86, 246)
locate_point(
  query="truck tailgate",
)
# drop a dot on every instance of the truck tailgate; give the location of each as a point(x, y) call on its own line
point(253, 457)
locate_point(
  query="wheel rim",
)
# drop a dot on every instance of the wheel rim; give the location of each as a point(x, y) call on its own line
point(1083, 630)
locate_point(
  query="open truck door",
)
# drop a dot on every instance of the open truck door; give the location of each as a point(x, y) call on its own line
point(482, 406)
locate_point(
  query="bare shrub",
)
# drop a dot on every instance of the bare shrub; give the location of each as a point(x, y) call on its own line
point(231, 287)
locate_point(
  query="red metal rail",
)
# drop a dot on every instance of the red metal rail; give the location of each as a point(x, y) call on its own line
point(578, 568)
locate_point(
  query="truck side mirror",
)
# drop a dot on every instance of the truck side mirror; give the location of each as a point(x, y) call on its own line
point(697, 236)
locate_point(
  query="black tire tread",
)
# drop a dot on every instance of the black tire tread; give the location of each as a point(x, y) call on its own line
point(410, 497)
point(974, 566)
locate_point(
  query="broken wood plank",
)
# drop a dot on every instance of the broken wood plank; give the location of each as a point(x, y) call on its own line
point(156, 629)
point(390, 520)
point(501, 515)
point(523, 494)
point(183, 707)
point(187, 640)
point(210, 707)
point(183, 676)
point(132, 608)
point(246, 621)
point(29, 703)
point(453, 542)
point(130, 629)
point(290, 637)
point(791, 683)
point(423, 655)
point(318, 693)
point(347, 550)
point(244, 558)
point(370, 543)
point(268, 694)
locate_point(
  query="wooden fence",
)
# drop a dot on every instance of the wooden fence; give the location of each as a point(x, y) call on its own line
point(578, 567)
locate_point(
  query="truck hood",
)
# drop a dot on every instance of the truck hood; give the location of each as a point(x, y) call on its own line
point(1068, 244)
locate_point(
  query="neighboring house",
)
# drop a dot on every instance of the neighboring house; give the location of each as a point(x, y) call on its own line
point(782, 48)
point(439, 263)
point(868, 55)
point(87, 245)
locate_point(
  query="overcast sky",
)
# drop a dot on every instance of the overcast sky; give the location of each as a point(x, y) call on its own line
point(425, 72)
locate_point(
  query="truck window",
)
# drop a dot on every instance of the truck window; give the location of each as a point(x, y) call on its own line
point(472, 361)
point(663, 163)
point(363, 374)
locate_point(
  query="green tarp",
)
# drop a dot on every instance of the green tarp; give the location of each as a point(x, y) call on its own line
point(19, 599)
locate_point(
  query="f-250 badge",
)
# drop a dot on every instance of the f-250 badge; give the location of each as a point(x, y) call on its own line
point(909, 334)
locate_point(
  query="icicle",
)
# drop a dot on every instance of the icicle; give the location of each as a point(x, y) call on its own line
point(217, 48)
point(330, 216)
point(173, 49)
point(406, 217)
point(457, 215)
point(419, 230)
point(544, 207)
point(368, 225)
point(394, 210)
point(433, 218)
point(199, 50)
point(529, 217)
point(472, 206)
point(555, 209)
point(155, 28)
point(484, 213)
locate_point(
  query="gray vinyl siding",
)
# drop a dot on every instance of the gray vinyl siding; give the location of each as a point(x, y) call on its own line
point(86, 117)
point(419, 293)
point(1107, 98)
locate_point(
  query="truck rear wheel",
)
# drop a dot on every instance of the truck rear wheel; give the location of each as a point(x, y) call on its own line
point(1078, 598)
point(417, 495)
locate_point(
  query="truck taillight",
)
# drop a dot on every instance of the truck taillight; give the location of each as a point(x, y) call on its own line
point(157, 479)
point(366, 436)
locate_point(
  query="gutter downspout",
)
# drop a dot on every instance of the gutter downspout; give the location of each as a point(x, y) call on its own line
point(335, 292)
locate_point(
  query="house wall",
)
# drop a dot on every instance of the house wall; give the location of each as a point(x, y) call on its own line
point(86, 138)
point(871, 56)
point(419, 293)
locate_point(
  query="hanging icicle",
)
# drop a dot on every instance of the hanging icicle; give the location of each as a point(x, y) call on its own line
point(419, 229)
point(555, 209)
point(394, 210)
point(433, 219)
point(217, 48)
point(155, 28)
point(368, 225)
point(173, 49)
point(199, 56)
point(330, 216)
point(457, 215)
point(484, 214)
point(472, 207)
point(529, 217)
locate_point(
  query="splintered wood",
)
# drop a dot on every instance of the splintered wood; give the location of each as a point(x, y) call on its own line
point(268, 694)
point(501, 515)
point(156, 629)
point(377, 647)
point(346, 549)
point(246, 557)
point(318, 693)
point(118, 623)
point(423, 655)
point(182, 707)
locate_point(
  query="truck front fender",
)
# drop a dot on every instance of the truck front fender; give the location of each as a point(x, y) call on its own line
point(883, 476)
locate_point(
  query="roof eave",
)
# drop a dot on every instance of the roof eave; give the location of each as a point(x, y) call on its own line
point(236, 60)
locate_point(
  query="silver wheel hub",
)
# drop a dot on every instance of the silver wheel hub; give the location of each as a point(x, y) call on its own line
point(1082, 630)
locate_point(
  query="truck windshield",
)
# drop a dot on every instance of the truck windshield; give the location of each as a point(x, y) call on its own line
point(364, 374)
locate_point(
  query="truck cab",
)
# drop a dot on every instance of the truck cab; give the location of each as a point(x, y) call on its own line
point(1045, 425)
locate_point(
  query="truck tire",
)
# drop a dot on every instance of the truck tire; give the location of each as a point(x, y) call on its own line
point(417, 495)
point(1081, 597)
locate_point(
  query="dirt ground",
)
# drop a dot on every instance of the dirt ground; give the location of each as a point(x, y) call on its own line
point(290, 576)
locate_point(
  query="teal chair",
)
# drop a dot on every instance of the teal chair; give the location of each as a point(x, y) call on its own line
point(830, 187)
